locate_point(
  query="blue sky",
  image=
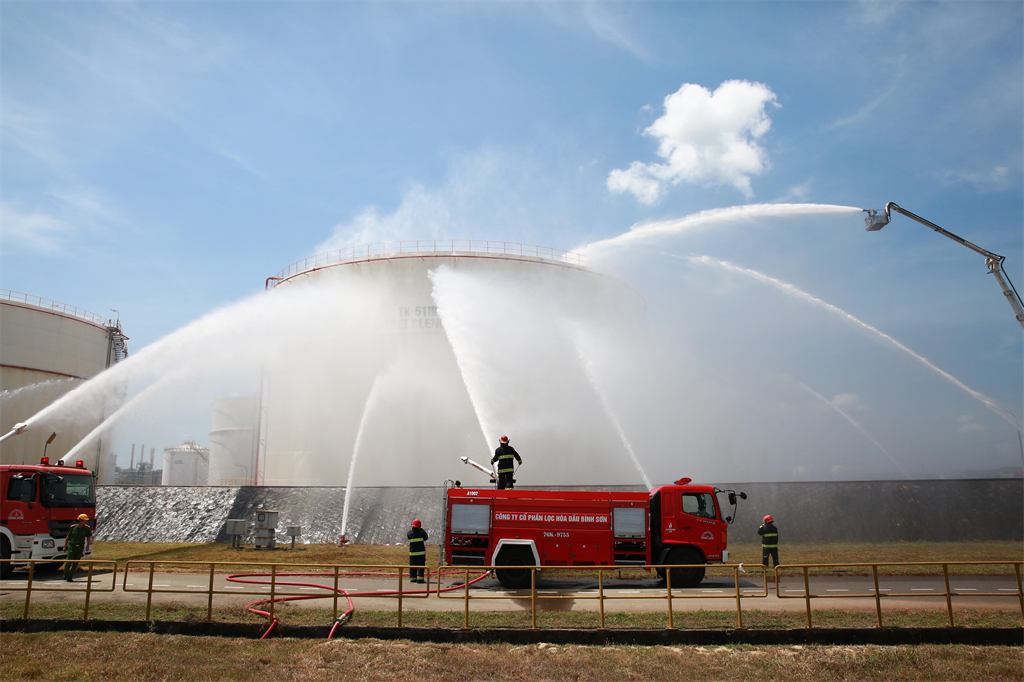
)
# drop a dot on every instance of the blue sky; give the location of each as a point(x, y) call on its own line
point(163, 159)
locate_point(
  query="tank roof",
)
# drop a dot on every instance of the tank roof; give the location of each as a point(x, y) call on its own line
point(430, 248)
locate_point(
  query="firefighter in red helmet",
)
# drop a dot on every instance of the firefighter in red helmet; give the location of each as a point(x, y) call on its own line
point(503, 456)
point(417, 551)
point(769, 540)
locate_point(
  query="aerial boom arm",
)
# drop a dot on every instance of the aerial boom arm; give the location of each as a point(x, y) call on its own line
point(994, 261)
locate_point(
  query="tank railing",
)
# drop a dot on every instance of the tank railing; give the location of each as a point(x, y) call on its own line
point(48, 304)
point(670, 593)
point(31, 585)
point(876, 592)
point(435, 246)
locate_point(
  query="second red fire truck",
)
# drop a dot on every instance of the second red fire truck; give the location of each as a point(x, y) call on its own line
point(671, 525)
point(38, 505)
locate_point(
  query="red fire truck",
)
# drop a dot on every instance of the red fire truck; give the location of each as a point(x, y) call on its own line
point(670, 525)
point(38, 505)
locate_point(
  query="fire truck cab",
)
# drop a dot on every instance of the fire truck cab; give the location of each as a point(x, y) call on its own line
point(38, 505)
point(671, 525)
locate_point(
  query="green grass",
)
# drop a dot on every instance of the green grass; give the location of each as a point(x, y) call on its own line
point(750, 554)
point(693, 620)
point(144, 657)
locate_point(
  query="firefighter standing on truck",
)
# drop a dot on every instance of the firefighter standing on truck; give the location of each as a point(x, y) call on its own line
point(769, 540)
point(417, 551)
point(74, 545)
point(503, 456)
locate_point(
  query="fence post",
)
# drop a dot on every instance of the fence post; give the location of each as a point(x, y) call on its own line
point(1020, 593)
point(149, 590)
point(600, 594)
point(273, 589)
point(739, 603)
point(878, 597)
point(400, 576)
point(209, 596)
point(28, 589)
point(533, 598)
point(88, 591)
point(335, 616)
point(668, 585)
point(807, 593)
point(465, 585)
point(949, 599)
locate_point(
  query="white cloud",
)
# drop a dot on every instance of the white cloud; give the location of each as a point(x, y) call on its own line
point(863, 113)
point(705, 137)
point(421, 215)
point(877, 12)
point(797, 193)
point(997, 178)
point(609, 22)
point(849, 402)
point(968, 425)
point(36, 230)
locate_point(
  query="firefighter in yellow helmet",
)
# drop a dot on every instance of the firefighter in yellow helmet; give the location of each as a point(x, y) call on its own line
point(74, 545)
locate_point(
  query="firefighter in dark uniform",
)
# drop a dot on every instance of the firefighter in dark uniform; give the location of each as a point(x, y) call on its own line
point(503, 456)
point(74, 545)
point(769, 540)
point(417, 551)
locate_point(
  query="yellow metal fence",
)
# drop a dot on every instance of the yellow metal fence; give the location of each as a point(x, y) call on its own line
point(279, 579)
point(875, 592)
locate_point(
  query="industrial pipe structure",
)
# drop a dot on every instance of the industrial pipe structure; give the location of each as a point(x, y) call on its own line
point(875, 222)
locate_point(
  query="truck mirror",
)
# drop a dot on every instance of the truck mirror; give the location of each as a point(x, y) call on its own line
point(743, 496)
point(728, 519)
point(732, 498)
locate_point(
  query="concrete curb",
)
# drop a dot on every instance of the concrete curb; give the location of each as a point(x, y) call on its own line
point(833, 636)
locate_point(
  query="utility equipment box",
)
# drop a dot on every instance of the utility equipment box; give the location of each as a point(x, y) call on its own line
point(236, 528)
point(266, 528)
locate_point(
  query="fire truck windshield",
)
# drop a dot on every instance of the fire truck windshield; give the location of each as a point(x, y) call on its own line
point(67, 491)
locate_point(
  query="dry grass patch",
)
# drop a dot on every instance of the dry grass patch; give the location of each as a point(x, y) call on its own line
point(584, 620)
point(99, 656)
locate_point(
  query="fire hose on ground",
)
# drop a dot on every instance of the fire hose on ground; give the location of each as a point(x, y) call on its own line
point(346, 592)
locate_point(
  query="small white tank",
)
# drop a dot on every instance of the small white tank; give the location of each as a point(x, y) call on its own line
point(186, 464)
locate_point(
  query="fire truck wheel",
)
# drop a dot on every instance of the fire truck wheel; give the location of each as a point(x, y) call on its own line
point(514, 578)
point(5, 553)
point(685, 577)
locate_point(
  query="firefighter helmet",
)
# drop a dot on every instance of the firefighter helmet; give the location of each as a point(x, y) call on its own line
point(416, 523)
point(503, 439)
point(768, 518)
point(83, 517)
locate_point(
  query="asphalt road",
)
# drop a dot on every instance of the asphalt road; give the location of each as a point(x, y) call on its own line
point(715, 593)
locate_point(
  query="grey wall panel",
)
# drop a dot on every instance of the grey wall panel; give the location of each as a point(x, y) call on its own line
point(855, 511)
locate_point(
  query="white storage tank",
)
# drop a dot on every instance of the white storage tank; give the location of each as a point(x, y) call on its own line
point(233, 440)
point(48, 348)
point(186, 464)
point(428, 351)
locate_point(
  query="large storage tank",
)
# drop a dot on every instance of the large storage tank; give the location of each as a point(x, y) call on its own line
point(46, 349)
point(430, 351)
point(186, 464)
point(233, 440)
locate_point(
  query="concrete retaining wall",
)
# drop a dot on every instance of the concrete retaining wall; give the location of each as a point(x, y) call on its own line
point(853, 511)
